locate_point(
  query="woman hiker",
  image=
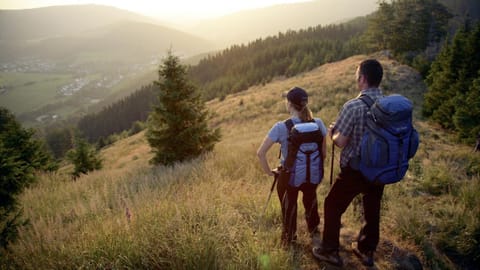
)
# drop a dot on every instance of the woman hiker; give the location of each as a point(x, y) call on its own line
point(289, 184)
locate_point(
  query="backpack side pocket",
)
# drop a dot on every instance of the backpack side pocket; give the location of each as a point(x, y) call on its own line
point(413, 145)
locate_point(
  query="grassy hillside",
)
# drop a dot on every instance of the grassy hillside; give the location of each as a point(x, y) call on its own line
point(206, 214)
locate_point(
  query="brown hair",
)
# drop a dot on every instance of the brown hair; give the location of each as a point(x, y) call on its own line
point(372, 70)
point(304, 112)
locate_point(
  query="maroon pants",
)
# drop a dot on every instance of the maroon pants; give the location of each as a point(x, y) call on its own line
point(349, 184)
point(288, 196)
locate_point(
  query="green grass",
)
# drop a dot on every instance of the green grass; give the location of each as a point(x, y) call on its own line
point(29, 91)
point(31, 95)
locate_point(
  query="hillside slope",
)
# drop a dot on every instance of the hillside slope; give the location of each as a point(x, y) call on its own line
point(206, 214)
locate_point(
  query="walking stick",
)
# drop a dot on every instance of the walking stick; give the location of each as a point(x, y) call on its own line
point(275, 177)
point(271, 190)
point(331, 167)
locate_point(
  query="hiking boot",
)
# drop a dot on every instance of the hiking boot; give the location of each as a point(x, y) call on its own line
point(315, 233)
point(366, 256)
point(329, 256)
point(316, 237)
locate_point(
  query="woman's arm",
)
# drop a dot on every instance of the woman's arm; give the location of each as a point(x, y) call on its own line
point(262, 155)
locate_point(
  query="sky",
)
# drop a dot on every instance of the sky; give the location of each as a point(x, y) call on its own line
point(166, 9)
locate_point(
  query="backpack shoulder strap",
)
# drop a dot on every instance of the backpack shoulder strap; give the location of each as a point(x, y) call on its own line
point(367, 100)
point(289, 124)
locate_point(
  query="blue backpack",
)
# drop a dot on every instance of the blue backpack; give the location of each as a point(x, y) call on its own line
point(389, 141)
point(304, 158)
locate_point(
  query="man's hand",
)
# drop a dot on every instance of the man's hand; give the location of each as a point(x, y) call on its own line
point(337, 138)
point(331, 129)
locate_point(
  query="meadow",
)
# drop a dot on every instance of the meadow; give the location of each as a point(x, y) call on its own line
point(32, 95)
point(29, 91)
point(207, 213)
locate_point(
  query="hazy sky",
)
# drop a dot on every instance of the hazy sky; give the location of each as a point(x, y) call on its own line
point(166, 9)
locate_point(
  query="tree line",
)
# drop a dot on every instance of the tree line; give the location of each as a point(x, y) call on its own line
point(453, 97)
point(100, 128)
point(286, 54)
point(119, 116)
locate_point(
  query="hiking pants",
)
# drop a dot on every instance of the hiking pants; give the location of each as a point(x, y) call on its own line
point(349, 184)
point(288, 199)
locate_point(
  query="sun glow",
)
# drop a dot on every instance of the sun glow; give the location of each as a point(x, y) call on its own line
point(167, 9)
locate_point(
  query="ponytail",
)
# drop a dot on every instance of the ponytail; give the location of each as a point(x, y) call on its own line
point(304, 113)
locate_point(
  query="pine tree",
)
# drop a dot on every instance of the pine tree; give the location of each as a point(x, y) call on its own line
point(177, 127)
point(439, 80)
point(467, 116)
point(20, 157)
point(452, 99)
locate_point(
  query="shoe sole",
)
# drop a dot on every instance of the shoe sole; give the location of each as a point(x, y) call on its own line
point(324, 259)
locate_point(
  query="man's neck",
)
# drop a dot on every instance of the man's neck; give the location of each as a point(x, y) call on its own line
point(368, 88)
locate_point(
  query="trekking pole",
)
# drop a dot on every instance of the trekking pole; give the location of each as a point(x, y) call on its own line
point(275, 177)
point(271, 191)
point(331, 167)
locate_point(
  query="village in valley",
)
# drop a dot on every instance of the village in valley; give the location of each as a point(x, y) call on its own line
point(89, 84)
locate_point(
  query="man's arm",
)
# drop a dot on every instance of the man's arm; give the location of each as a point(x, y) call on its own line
point(337, 138)
point(340, 140)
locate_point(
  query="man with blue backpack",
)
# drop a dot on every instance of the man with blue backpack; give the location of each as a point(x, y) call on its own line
point(378, 139)
point(302, 147)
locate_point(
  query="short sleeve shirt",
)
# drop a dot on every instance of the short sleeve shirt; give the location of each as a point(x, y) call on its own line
point(351, 123)
point(279, 134)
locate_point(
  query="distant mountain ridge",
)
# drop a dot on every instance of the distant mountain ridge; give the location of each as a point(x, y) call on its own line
point(56, 21)
point(54, 32)
point(248, 25)
point(126, 39)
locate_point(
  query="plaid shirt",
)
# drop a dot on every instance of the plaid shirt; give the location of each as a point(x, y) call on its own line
point(351, 123)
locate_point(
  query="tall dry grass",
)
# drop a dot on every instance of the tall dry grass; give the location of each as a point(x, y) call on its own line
point(206, 213)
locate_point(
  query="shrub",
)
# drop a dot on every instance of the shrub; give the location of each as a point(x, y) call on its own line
point(84, 157)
